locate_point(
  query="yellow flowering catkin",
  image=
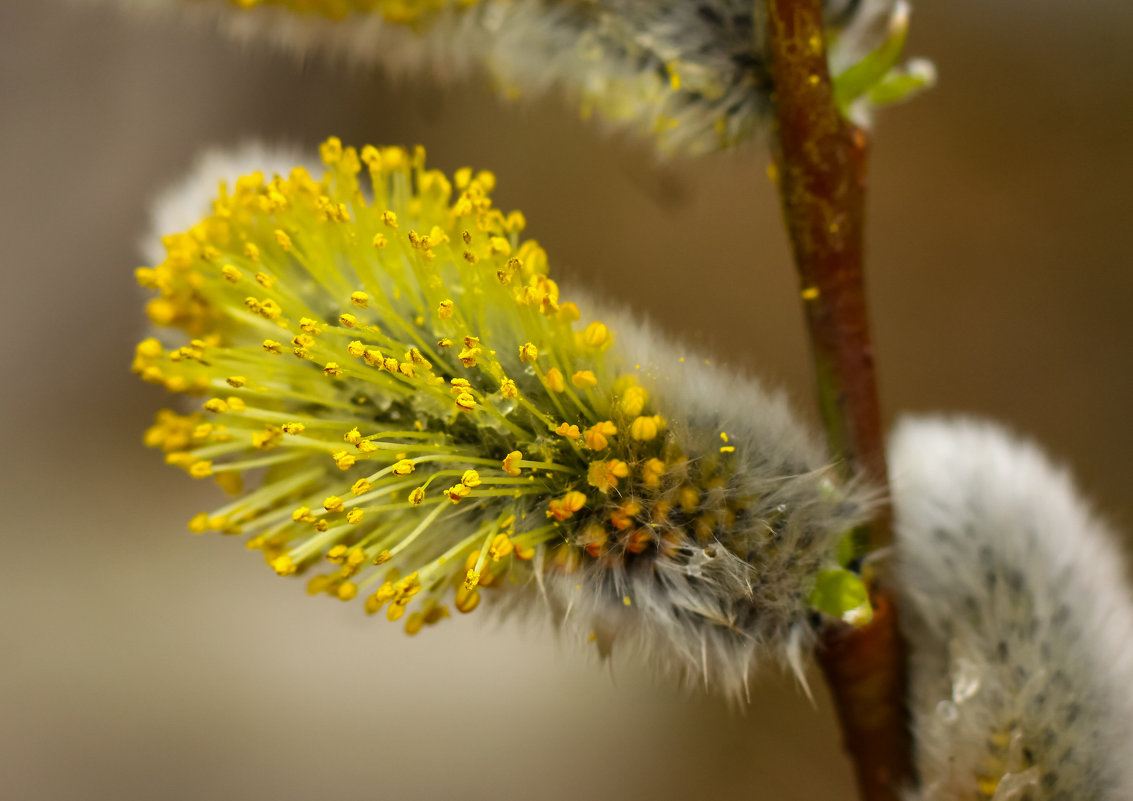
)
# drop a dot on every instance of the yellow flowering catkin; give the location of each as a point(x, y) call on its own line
point(406, 411)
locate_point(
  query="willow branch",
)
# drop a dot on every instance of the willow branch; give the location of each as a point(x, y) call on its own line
point(820, 164)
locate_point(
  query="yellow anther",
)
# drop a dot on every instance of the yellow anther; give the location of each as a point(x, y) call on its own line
point(309, 325)
point(643, 428)
point(584, 379)
point(564, 508)
point(347, 591)
point(596, 334)
point(200, 523)
point(333, 503)
point(383, 556)
point(200, 469)
point(471, 579)
point(470, 479)
point(302, 515)
point(604, 475)
point(283, 565)
point(268, 439)
point(360, 299)
point(230, 273)
point(633, 401)
point(367, 446)
point(380, 241)
point(337, 554)
point(555, 380)
point(403, 467)
point(468, 356)
point(361, 487)
point(511, 463)
point(414, 623)
point(390, 364)
point(273, 347)
point(465, 402)
point(252, 251)
point(445, 309)
point(457, 492)
point(568, 431)
point(528, 353)
point(293, 428)
point(236, 381)
point(353, 436)
point(597, 436)
point(216, 405)
point(417, 496)
point(321, 525)
point(347, 320)
point(283, 239)
point(444, 343)
point(651, 473)
point(508, 388)
point(688, 498)
point(343, 459)
point(466, 600)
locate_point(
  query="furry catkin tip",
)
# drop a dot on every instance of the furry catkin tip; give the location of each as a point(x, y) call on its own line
point(692, 75)
point(405, 409)
point(1019, 619)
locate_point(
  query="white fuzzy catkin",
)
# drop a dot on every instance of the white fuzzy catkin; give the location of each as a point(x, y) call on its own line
point(1019, 619)
point(691, 73)
point(727, 584)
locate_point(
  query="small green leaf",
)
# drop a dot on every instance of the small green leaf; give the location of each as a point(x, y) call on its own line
point(837, 592)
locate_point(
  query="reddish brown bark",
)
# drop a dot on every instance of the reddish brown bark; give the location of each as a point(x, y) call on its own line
point(820, 164)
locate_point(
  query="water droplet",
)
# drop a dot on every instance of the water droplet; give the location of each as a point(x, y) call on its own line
point(965, 680)
point(947, 712)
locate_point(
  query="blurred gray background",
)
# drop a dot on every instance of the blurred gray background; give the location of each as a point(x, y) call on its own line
point(141, 662)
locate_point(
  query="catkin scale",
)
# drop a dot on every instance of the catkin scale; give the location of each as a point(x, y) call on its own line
point(648, 496)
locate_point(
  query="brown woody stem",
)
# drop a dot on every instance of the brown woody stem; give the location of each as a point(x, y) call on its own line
point(820, 163)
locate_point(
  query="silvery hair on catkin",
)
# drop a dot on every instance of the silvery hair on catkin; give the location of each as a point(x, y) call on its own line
point(1019, 619)
point(694, 73)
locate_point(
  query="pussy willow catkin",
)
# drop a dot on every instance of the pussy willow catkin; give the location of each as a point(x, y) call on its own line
point(406, 410)
point(691, 74)
point(1018, 614)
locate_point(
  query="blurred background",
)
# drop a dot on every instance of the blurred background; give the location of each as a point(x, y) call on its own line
point(140, 662)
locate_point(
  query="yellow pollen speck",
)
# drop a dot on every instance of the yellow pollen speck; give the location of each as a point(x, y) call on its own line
point(810, 293)
point(626, 600)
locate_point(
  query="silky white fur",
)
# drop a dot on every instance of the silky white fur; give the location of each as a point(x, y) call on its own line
point(721, 609)
point(1018, 614)
point(611, 56)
